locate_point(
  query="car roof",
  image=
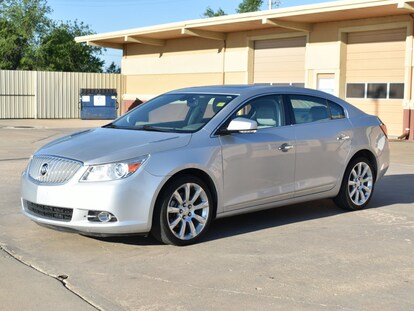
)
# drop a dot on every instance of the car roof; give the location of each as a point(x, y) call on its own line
point(250, 90)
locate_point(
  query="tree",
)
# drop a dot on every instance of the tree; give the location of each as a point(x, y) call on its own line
point(244, 7)
point(113, 68)
point(59, 52)
point(21, 22)
point(30, 40)
point(249, 6)
point(211, 13)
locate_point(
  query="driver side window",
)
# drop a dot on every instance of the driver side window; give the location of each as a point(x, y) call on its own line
point(267, 111)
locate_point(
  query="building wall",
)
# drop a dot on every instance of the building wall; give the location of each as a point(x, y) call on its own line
point(151, 70)
point(329, 51)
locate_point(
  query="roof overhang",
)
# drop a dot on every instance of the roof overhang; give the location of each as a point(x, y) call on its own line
point(299, 18)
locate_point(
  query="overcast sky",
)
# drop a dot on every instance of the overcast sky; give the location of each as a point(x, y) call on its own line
point(112, 15)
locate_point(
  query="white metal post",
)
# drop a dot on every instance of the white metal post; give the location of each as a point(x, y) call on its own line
point(34, 90)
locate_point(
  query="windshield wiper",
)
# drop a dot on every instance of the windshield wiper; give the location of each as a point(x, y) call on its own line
point(139, 128)
point(110, 125)
point(153, 128)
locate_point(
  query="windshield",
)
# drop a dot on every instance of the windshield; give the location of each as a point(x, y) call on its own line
point(174, 113)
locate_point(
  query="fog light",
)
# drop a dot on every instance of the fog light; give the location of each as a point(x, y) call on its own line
point(101, 216)
point(104, 217)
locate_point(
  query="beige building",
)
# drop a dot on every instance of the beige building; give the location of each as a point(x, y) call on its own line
point(361, 51)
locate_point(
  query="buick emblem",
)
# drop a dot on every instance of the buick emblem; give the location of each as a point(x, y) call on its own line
point(44, 169)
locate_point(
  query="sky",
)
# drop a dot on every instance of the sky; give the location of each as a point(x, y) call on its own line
point(112, 15)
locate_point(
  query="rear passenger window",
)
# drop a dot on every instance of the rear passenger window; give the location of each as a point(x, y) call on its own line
point(337, 112)
point(308, 109)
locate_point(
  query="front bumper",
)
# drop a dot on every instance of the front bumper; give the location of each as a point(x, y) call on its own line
point(130, 200)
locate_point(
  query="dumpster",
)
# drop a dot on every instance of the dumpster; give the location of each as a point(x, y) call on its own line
point(98, 104)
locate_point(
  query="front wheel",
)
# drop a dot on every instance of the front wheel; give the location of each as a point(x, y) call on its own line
point(357, 185)
point(184, 211)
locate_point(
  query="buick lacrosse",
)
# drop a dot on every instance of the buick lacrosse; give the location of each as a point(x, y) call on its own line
point(172, 165)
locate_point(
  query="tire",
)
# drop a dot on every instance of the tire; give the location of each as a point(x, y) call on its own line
point(183, 212)
point(357, 185)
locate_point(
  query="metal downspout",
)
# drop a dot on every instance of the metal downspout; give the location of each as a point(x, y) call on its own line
point(408, 116)
point(223, 73)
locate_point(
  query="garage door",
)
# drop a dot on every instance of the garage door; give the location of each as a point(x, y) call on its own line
point(280, 61)
point(375, 74)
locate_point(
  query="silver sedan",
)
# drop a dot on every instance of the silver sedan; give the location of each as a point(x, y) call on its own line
point(172, 165)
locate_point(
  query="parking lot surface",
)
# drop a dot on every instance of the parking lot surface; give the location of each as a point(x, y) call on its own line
point(310, 256)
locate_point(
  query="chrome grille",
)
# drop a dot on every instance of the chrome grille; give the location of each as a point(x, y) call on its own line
point(50, 212)
point(53, 170)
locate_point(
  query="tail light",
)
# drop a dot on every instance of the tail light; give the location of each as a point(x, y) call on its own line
point(383, 127)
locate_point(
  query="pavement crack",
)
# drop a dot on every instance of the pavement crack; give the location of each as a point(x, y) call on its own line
point(61, 278)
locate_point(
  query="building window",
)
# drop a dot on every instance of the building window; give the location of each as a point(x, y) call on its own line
point(375, 90)
point(396, 91)
point(355, 90)
point(281, 84)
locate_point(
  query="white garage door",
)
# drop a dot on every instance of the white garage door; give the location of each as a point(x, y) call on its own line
point(280, 61)
point(375, 74)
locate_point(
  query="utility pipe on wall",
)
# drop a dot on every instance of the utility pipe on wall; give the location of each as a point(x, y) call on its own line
point(408, 115)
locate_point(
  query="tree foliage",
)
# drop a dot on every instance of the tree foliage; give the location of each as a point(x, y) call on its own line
point(30, 40)
point(21, 23)
point(244, 7)
point(211, 13)
point(249, 6)
point(113, 68)
point(59, 52)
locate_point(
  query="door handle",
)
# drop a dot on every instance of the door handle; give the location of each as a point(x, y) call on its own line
point(285, 147)
point(343, 137)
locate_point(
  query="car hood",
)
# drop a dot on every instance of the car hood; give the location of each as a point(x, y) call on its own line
point(104, 145)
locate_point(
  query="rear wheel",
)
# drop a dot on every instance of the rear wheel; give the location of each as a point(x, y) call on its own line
point(357, 185)
point(184, 211)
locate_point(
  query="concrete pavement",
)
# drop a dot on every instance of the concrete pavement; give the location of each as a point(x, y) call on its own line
point(50, 123)
point(309, 256)
point(25, 288)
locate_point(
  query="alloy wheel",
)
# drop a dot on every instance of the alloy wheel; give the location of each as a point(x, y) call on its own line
point(360, 183)
point(187, 211)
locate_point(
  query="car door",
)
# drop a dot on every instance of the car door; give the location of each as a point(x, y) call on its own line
point(323, 142)
point(258, 167)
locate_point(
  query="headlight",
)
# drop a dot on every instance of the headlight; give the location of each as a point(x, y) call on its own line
point(113, 171)
point(26, 169)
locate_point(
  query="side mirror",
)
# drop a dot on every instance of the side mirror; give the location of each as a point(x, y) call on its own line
point(242, 125)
